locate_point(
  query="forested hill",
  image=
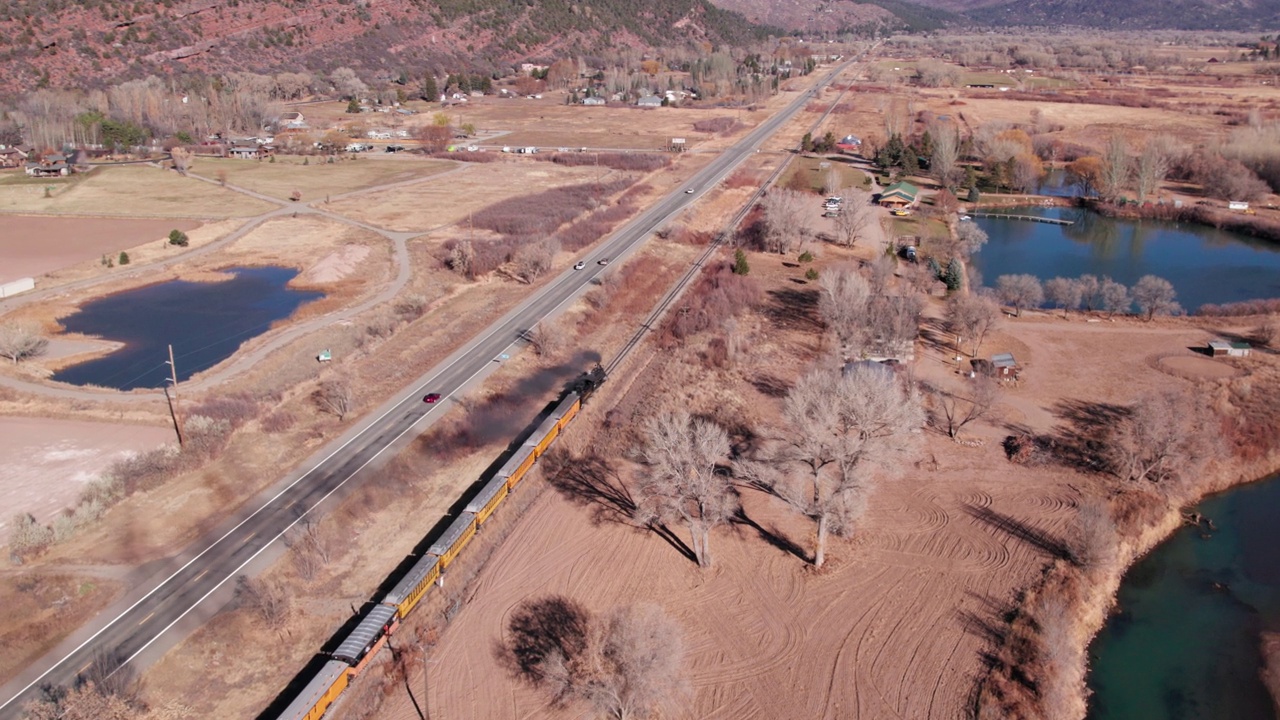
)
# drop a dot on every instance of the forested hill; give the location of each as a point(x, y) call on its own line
point(60, 43)
point(1257, 15)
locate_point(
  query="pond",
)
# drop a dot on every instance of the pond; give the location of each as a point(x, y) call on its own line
point(1205, 265)
point(205, 322)
point(1185, 643)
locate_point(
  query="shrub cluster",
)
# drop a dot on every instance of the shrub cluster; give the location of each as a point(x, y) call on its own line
point(542, 213)
point(642, 162)
point(715, 125)
point(719, 295)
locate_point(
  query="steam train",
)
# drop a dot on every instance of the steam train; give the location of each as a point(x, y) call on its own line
point(383, 619)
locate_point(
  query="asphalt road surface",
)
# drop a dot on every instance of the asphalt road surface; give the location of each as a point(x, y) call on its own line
point(168, 609)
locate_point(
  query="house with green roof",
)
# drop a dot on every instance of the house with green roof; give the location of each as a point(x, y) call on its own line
point(899, 195)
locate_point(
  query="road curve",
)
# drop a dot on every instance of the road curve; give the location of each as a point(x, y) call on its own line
point(215, 561)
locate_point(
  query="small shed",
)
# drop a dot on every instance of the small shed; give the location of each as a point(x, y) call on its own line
point(649, 101)
point(677, 145)
point(1237, 205)
point(1221, 348)
point(1004, 366)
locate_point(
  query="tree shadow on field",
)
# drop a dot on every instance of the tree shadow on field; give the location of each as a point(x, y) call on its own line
point(793, 309)
point(591, 481)
point(1082, 440)
point(934, 334)
point(542, 631)
point(1045, 542)
point(770, 385)
point(988, 622)
point(771, 535)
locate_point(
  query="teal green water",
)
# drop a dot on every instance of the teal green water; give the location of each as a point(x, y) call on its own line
point(1185, 642)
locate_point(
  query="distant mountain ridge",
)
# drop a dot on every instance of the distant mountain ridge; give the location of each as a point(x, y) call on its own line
point(1261, 15)
point(59, 43)
point(841, 15)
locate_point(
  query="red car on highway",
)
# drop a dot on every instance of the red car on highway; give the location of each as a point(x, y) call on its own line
point(431, 398)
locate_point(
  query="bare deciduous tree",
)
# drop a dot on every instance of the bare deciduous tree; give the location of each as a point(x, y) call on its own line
point(970, 238)
point(843, 432)
point(1266, 331)
point(1063, 292)
point(893, 322)
point(946, 154)
point(182, 159)
point(1153, 165)
point(832, 182)
point(265, 598)
point(786, 219)
point(1155, 296)
point(1161, 440)
point(1114, 296)
point(1020, 291)
point(626, 665)
point(681, 482)
point(310, 551)
point(842, 303)
point(83, 702)
point(461, 258)
point(1063, 690)
point(21, 341)
point(1115, 168)
point(534, 259)
point(955, 410)
point(334, 396)
point(548, 337)
point(348, 84)
point(858, 220)
point(1089, 288)
point(971, 317)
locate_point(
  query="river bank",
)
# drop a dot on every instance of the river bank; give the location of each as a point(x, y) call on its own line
point(1098, 607)
point(1259, 226)
point(1040, 662)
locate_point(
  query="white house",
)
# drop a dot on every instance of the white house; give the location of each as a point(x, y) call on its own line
point(649, 101)
point(593, 101)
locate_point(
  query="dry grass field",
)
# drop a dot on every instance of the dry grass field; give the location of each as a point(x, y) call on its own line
point(317, 179)
point(68, 241)
point(133, 191)
point(432, 204)
point(894, 627)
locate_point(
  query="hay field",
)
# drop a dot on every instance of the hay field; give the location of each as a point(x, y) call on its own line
point(126, 191)
point(447, 201)
point(316, 179)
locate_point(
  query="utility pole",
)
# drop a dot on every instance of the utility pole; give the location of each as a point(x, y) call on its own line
point(173, 398)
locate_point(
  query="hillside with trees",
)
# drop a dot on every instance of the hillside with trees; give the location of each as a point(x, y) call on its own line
point(88, 43)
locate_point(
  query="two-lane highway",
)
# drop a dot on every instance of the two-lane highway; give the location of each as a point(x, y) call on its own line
point(157, 609)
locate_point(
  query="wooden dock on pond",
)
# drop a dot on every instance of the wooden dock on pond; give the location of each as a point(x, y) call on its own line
point(1031, 218)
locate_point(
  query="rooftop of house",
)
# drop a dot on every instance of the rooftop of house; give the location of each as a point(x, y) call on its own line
point(901, 187)
point(1004, 360)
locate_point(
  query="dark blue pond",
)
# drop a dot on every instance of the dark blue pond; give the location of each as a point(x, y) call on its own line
point(205, 322)
point(1205, 265)
point(1185, 644)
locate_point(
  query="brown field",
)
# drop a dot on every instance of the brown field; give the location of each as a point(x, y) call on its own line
point(893, 628)
point(318, 179)
point(375, 528)
point(447, 201)
point(45, 463)
point(134, 191)
point(66, 241)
